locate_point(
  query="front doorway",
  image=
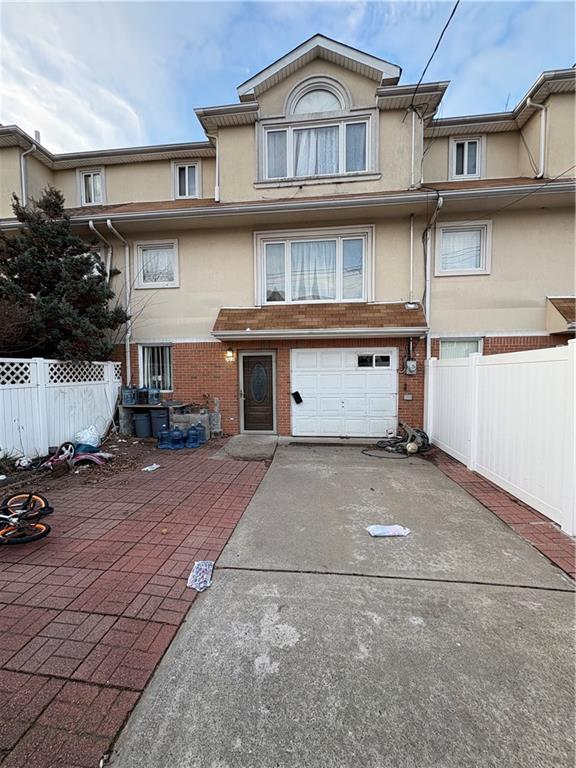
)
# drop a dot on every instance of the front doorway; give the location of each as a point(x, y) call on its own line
point(257, 392)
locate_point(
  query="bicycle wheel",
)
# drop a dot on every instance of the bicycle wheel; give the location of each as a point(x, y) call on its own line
point(30, 531)
point(35, 504)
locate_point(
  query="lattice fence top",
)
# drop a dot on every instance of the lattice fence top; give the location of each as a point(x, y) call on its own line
point(117, 371)
point(14, 373)
point(75, 373)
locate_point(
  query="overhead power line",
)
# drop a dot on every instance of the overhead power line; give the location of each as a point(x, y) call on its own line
point(434, 52)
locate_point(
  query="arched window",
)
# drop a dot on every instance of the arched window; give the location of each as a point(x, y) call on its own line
point(318, 100)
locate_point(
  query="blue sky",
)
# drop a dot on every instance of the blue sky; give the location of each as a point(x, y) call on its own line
point(91, 75)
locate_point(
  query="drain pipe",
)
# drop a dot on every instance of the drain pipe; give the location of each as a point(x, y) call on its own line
point(542, 157)
point(217, 169)
point(413, 151)
point(411, 294)
point(128, 293)
point(428, 270)
point(108, 248)
point(23, 174)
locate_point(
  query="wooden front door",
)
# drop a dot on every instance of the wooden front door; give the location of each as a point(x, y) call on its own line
point(257, 392)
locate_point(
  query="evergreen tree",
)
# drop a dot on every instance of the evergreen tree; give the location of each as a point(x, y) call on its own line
point(59, 283)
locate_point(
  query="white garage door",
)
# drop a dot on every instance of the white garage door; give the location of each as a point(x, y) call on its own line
point(345, 392)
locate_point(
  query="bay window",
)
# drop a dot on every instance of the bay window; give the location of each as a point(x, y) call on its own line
point(316, 150)
point(318, 267)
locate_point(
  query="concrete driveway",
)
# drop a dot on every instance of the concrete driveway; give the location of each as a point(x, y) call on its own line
point(320, 647)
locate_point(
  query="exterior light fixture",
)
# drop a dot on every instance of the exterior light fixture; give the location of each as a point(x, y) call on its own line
point(230, 357)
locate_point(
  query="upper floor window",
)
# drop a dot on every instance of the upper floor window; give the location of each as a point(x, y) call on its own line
point(157, 264)
point(322, 266)
point(91, 186)
point(465, 158)
point(186, 180)
point(317, 100)
point(317, 150)
point(463, 248)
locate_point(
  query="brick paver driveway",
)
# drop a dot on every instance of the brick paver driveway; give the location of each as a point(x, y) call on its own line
point(86, 614)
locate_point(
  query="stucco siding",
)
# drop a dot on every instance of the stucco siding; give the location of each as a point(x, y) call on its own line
point(561, 140)
point(9, 178)
point(532, 257)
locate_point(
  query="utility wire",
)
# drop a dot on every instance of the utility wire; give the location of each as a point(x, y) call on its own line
point(434, 52)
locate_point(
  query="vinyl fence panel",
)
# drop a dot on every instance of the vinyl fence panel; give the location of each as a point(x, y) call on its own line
point(511, 419)
point(45, 402)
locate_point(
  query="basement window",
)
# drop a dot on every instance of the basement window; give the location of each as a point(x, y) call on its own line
point(156, 367)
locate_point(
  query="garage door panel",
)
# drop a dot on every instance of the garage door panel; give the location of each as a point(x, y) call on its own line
point(339, 398)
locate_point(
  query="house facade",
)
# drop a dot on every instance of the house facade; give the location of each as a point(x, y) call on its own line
point(328, 236)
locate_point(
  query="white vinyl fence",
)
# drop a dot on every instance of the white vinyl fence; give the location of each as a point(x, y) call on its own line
point(45, 402)
point(511, 419)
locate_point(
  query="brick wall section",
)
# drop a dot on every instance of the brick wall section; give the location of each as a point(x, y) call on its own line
point(498, 345)
point(201, 369)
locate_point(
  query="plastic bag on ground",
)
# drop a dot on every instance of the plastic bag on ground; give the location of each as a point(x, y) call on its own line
point(388, 530)
point(89, 436)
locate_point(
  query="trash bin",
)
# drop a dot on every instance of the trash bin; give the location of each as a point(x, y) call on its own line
point(159, 418)
point(142, 426)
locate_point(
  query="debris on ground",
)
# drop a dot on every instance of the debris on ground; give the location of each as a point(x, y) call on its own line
point(388, 530)
point(201, 575)
point(151, 468)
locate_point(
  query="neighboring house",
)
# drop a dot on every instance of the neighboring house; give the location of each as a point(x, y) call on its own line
point(327, 236)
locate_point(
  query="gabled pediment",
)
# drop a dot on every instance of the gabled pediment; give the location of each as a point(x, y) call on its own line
point(320, 47)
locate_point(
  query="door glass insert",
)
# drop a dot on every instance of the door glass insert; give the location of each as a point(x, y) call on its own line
point(365, 361)
point(382, 361)
point(258, 383)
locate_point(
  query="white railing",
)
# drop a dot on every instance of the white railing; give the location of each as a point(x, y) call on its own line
point(511, 419)
point(45, 402)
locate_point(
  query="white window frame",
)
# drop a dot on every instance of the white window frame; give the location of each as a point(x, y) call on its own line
point(80, 174)
point(141, 347)
point(176, 164)
point(485, 247)
point(139, 282)
point(325, 120)
point(480, 158)
point(442, 339)
point(261, 239)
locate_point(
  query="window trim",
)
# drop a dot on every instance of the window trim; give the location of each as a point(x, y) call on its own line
point(138, 282)
point(479, 339)
point(485, 247)
point(80, 173)
point(184, 163)
point(480, 158)
point(323, 233)
point(141, 362)
point(322, 120)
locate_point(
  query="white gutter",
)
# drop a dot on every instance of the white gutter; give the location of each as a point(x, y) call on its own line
point(322, 333)
point(108, 248)
point(128, 299)
point(542, 157)
point(428, 269)
point(23, 174)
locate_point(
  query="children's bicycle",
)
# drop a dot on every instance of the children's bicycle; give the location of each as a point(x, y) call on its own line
point(20, 518)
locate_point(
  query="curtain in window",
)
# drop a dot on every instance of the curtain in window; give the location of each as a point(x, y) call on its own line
point(275, 268)
point(157, 264)
point(458, 348)
point(356, 147)
point(352, 257)
point(317, 101)
point(277, 159)
point(316, 151)
point(461, 249)
point(313, 270)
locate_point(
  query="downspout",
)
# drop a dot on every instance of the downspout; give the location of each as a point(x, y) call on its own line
point(413, 152)
point(541, 160)
point(128, 293)
point(23, 175)
point(411, 294)
point(108, 248)
point(428, 270)
point(217, 171)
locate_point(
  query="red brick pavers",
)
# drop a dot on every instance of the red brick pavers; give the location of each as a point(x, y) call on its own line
point(87, 613)
point(539, 530)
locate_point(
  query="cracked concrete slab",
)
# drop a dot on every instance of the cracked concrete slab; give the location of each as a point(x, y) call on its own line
point(292, 670)
point(249, 448)
point(315, 502)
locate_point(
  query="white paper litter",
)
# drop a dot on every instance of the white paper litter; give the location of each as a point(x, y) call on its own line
point(388, 530)
point(151, 468)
